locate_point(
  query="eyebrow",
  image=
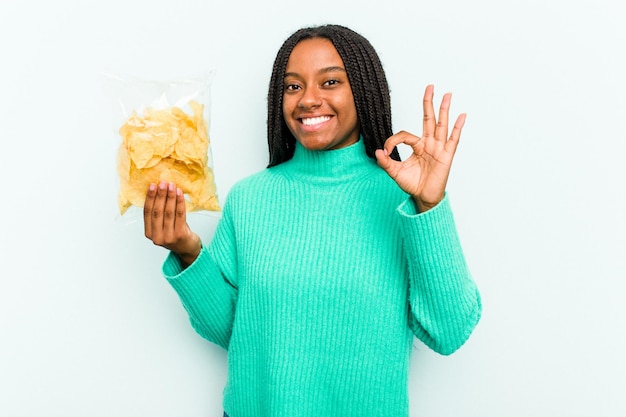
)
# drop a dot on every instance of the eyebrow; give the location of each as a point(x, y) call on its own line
point(322, 71)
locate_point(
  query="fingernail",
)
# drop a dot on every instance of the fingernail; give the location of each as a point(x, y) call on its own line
point(152, 187)
point(171, 186)
point(162, 185)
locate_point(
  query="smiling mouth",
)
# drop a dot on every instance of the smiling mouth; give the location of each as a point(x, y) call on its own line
point(310, 121)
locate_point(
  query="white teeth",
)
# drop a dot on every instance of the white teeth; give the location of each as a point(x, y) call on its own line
point(315, 120)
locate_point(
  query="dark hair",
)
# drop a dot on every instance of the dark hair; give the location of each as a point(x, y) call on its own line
point(367, 80)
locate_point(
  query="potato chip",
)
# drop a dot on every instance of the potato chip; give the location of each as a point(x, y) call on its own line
point(166, 145)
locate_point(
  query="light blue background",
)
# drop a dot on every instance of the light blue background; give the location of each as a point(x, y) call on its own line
point(89, 327)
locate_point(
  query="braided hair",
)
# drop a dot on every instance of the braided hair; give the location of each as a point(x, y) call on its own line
point(367, 80)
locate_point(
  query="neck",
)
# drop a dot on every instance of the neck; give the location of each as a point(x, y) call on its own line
point(330, 165)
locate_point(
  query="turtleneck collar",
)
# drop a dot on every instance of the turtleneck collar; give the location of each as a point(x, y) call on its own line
point(332, 165)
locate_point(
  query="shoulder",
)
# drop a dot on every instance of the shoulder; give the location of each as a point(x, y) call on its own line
point(256, 182)
point(253, 186)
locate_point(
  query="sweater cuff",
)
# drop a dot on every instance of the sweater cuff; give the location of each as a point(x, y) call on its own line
point(173, 268)
point(180, 277)
point(408, 207)
point(431, 232)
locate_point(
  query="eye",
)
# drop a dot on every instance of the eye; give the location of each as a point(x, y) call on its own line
point(291, 86)
point(331, 82)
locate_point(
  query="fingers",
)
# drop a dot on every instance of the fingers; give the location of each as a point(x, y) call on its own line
point(386, 162)
point(428, 130)
point(441, 131)
point(169, 212)
point(401, 137)
point(148, 207)
point(383, 156)
point(453, 142)
point(164, 213)
point(383, 159)
point(438, 128)
point(153, 215)
point(181, 212)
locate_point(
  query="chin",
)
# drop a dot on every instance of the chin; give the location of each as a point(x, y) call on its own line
point(315, 146)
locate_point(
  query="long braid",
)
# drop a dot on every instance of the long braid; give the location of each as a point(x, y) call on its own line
point(281, 142)
point(367, 80)
point(371, 92)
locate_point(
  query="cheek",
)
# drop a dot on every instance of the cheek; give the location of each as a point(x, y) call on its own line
point(288, 106)
point(347, 104)
point(285, 108)
point(287, 111)
point(350, 110)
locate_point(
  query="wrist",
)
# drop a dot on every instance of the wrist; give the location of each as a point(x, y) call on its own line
point(423, 206)
point(188, 256)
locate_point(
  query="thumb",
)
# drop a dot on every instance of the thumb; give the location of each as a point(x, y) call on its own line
point(384, 160)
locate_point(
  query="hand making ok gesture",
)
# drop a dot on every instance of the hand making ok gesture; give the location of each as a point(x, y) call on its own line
point(424, 174)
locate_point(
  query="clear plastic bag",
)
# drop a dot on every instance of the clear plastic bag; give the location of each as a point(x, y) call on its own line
point(163, 133)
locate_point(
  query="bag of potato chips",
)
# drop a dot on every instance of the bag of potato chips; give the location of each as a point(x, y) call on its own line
point(163, 129)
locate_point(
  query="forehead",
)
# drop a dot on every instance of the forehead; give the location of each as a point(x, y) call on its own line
point(314, 53)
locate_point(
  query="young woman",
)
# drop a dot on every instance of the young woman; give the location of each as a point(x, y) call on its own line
point(325, 266)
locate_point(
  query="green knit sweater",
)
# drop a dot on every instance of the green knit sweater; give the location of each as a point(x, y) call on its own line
point(318, 276)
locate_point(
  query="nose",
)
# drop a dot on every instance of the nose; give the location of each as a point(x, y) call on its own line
point(310, 98)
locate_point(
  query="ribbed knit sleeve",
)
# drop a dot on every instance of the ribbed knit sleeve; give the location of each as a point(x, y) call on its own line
point(206, 288)
point(445, 302)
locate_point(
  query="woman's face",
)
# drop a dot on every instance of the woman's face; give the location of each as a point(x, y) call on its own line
point(318, 104)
